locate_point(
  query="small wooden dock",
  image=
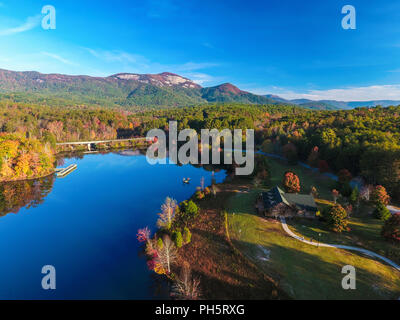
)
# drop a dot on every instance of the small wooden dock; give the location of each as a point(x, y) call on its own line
point(63, 172)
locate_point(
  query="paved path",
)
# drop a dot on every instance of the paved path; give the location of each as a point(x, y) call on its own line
point(317, 244)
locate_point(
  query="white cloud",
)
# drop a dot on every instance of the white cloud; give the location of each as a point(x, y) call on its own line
point(376, 92)
point(201, 78)
point(29, 24)
point(59, 58)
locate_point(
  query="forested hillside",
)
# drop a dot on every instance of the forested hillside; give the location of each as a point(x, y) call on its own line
point(129, 91)
point(366, 141)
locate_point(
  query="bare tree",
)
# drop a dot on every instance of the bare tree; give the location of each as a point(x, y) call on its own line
point(214, 190)
point(202, 183)
point(168, 254)
point(186, 287)
point(167, 214)
point(365, 192)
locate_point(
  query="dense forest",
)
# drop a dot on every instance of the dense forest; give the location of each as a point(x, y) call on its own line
point(23, 158)
point(365, 141)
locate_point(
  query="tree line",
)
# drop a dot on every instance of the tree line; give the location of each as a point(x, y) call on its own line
point(364, 141)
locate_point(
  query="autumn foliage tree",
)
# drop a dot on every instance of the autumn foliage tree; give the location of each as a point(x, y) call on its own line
point(143, 235)
point(335, 195)
point(313, 157)
point(23, 158)
point(336, 217)
point(391, 228)
point(323, 166)
point(379, 195)
point(344, 176)
point(291, 182)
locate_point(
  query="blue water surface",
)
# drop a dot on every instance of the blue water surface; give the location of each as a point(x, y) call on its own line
point(86, 228)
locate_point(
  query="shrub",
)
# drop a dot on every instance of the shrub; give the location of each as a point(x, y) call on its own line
point(187, 235)
point(344, 189)
point(314, 192)
point(349, 209)
point(336, 217)
point(188, 210)
point(354, 195)
point(178, 240)
point(160, 244)
point(391, 228)
point(199, 195)
point(381, 212)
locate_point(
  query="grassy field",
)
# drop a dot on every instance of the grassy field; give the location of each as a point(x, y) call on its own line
point(307, 178)
point(307, 272)
point(365, 233)
point(303, 271)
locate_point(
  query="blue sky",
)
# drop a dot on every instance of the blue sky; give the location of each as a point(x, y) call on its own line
point(292, 48)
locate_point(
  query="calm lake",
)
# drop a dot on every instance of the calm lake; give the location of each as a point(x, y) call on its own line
point(85, 226)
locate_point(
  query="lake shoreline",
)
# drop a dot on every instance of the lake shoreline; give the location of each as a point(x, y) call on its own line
point(224, 273)
point(29, 179)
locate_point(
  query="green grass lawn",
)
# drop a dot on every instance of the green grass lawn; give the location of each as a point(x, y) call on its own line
point(365, 233)
point(303, 271)
point(307, 178)
point(365, 230)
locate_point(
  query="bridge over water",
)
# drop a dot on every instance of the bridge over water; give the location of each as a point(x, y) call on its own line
point(94, 142)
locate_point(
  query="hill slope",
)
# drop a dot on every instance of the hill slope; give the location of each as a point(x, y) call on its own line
point(123, 89)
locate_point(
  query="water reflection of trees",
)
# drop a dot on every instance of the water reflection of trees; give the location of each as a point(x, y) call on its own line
point(18, 194)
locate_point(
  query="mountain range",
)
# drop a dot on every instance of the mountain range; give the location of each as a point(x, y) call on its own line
point(335, 104)
point(140, 90)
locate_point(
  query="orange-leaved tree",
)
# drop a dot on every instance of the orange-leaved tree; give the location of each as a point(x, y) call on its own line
point(291, 182)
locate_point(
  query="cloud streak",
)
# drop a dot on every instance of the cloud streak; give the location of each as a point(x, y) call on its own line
point(29, 24)
point(375, 92)
point(59, 58)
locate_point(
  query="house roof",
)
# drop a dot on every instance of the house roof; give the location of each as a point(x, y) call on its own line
point(277, 195)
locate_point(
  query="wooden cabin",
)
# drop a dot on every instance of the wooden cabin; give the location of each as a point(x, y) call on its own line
point(276, 203)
